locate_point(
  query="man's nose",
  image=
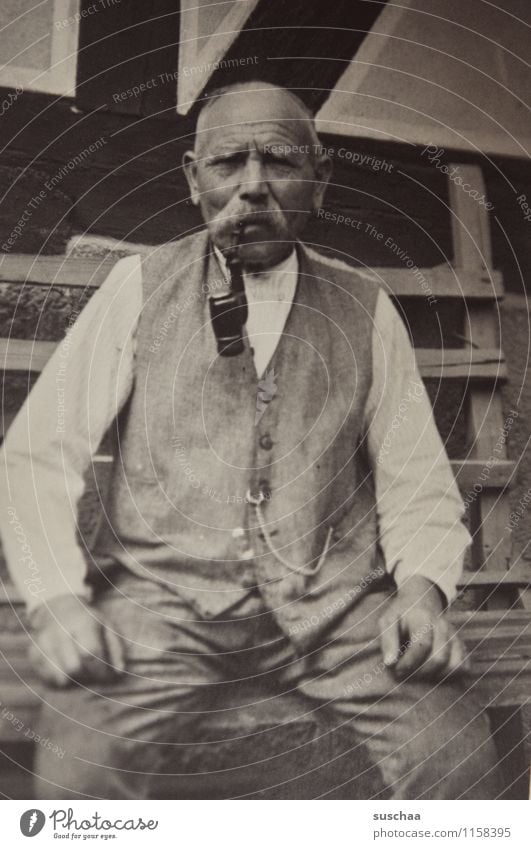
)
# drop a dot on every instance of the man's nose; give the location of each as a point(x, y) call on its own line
point(254, 184)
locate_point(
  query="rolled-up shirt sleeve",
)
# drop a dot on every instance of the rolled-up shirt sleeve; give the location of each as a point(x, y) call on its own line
point(51, 442)
point(418, 502)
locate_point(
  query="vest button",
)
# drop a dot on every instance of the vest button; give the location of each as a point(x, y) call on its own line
point(265, 489)
point(266, 442)
point(272, 533)
point(248, 581)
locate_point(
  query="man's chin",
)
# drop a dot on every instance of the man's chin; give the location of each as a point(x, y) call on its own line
point(262, 253)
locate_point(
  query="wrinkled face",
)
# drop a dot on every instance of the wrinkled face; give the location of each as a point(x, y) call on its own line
point(255, 173)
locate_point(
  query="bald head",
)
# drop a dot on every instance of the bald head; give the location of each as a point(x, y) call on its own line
point(255, 102)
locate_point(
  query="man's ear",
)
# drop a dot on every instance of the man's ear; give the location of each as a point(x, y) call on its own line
point(190, 170)
point(323, 172)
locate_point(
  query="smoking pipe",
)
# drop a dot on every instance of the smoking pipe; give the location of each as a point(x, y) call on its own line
point(228, 312)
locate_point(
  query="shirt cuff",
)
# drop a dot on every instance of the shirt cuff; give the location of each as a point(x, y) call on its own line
point(50, 583)
point(445, 581)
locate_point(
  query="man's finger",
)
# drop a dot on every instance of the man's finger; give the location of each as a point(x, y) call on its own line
point(52, 665)
point(68, 655)
point(416, 646)
point(390, 640)
point(96, 656)
point(102, 654)
point(439, 656)
point(115, 650)
point(46, 670)
point(459, 660)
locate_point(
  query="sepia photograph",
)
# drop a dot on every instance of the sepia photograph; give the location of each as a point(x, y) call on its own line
point(265, 497)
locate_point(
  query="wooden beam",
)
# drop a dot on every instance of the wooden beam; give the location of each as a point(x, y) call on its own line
point(490, 513)
point(434, 363)
point(444, 282)
point(495, 578)
point(25, 355)
point(489, 473)
point(90, 272)
point(55, 270)
point(461, 364)
point(473, 254)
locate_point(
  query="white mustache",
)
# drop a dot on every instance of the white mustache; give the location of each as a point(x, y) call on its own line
point(234, 215)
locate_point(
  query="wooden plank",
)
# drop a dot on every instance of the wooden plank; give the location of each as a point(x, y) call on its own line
point(78, 271)
point(452, 363)
point(461, 364)
point(490, 513)
point(503, 685)
point(486, 423)
point(55, 270)
point(444, 282)
point(25, 355)
point(490, 473)
point(470, 224)
point(495, 578)
point(493, 633)
point(473, 254)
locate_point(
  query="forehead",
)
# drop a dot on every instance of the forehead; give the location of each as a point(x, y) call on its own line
point(246, 115)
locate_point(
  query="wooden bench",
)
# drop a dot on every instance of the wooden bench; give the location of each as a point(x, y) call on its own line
point(269, 749)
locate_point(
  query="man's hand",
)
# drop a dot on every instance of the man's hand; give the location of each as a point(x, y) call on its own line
point(416, 637)
point(70, 644)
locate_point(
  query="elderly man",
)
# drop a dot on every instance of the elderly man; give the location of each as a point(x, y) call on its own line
point(265, 516)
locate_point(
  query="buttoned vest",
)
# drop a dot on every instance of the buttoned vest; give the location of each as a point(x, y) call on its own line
point(202, 435)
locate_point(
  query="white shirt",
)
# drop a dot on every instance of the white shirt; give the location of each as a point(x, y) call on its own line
point(52, 441)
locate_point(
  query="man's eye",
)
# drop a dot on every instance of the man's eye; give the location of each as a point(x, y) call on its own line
point(232, 160)
point(277, 161)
